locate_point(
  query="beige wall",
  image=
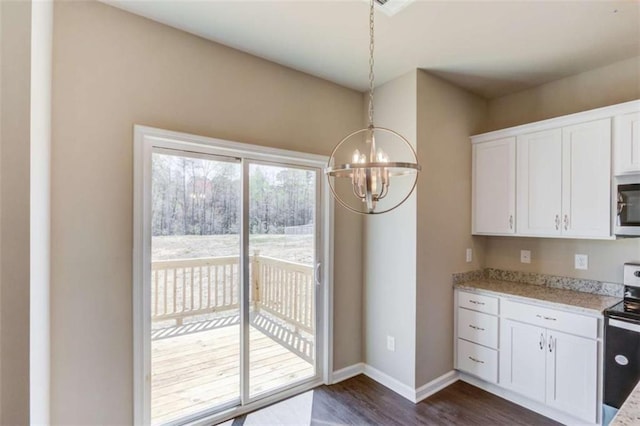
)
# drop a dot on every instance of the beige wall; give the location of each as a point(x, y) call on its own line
point(112, 70)
point(612, 84)
point(389, 253)
point(618, 82)
point(446, 116)
point(40, 318)
point(15, 87)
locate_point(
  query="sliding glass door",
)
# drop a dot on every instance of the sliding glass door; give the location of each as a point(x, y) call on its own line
point(231, 298)
point(282, 249)
point(195, 284)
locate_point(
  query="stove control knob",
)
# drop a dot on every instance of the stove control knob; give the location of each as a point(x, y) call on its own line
point(637, 274)
point(621, 359)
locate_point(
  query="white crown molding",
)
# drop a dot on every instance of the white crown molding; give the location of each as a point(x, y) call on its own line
point(554, 123)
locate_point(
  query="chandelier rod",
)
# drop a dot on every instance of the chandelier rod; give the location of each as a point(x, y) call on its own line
point(371, 74)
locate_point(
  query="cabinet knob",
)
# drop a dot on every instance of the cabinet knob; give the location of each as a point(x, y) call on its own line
point(510, 221)
point(566, 222)
point(557, 222)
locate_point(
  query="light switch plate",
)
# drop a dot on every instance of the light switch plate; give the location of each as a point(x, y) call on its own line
point(582, 261)
point(391, 343)
point(525, 256)
point(469, 255)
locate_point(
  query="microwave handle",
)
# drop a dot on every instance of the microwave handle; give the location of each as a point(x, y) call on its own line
point(621, 204)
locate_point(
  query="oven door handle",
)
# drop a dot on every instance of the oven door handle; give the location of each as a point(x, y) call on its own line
point(626, 324)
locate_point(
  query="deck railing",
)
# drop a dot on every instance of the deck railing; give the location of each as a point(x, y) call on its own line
point(187, 287)
point(190, 287)
point(284, 289)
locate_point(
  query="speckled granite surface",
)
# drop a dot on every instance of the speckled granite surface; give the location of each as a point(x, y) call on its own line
point(629, 413)
point(552, 281)
point(566, 299)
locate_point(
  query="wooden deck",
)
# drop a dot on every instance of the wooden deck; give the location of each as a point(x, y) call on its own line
point(198, 370)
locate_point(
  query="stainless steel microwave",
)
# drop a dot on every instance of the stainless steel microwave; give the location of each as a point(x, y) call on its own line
point(628, 218)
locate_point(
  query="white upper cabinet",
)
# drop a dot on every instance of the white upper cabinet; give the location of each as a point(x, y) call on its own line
point(586, 179)
point(563, 174)
point(627, 143)
point(494, 187)
point(564, 181)
point(540, 183)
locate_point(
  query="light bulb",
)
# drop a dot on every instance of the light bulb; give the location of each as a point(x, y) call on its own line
point(356, 156)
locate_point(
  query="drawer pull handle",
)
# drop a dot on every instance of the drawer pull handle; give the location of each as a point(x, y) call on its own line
point(476, 360)
point(547, 318)
point(475, 302)
point(476, 327)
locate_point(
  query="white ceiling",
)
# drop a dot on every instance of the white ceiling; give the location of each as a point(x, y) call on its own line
point(489, 47)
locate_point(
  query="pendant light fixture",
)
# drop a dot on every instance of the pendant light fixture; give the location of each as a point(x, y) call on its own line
point(364, 164)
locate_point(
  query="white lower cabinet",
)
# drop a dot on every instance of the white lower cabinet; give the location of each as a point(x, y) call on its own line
point(572, 374)
point(478, 360)
point(544, 354)
point(522, 359)
point(549, 366)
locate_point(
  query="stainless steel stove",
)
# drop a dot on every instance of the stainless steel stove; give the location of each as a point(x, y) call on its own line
point(622, 344)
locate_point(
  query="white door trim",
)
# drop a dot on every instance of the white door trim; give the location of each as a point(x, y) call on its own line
point(145, 140)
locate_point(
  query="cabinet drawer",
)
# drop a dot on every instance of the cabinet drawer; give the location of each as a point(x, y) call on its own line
point(478, 302)
point(478, 327)
point(551, 318)
point(478, 360)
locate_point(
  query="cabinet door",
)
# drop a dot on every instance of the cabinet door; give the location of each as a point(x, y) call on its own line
point(539, 183)
point(494, 187)
point(586, 179)
point(572, 374)
point(627, 143)
point(522, 359)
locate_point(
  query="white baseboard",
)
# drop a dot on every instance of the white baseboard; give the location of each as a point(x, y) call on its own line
point(522, 401)
point(390, 382)
point(347, 372)
point(413, 395)
point(435, 385)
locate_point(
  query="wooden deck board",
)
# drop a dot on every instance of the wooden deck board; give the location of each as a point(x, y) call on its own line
point(197, 371)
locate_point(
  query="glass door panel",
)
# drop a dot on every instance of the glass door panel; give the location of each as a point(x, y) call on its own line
point(282, 253)
point(195, 284)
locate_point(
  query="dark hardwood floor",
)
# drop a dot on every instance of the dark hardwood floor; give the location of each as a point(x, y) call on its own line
point(362, 401)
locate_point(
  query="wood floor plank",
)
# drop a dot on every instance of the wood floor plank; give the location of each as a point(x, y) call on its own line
point(362, 401)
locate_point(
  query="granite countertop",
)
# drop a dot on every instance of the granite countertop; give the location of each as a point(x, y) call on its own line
point(629, 413)
point(573, 300)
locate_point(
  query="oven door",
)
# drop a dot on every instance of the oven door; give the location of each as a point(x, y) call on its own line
point(628, 209)
point(621, 360)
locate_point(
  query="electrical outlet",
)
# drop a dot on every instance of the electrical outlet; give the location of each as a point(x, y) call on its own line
point(391, 343)
point(582, 261)
point(525, 256)
point(469, 255)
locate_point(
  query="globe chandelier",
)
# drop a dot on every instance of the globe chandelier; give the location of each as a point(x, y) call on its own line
point(364, 163)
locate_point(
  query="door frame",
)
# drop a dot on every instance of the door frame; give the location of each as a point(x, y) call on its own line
point(146, 139)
